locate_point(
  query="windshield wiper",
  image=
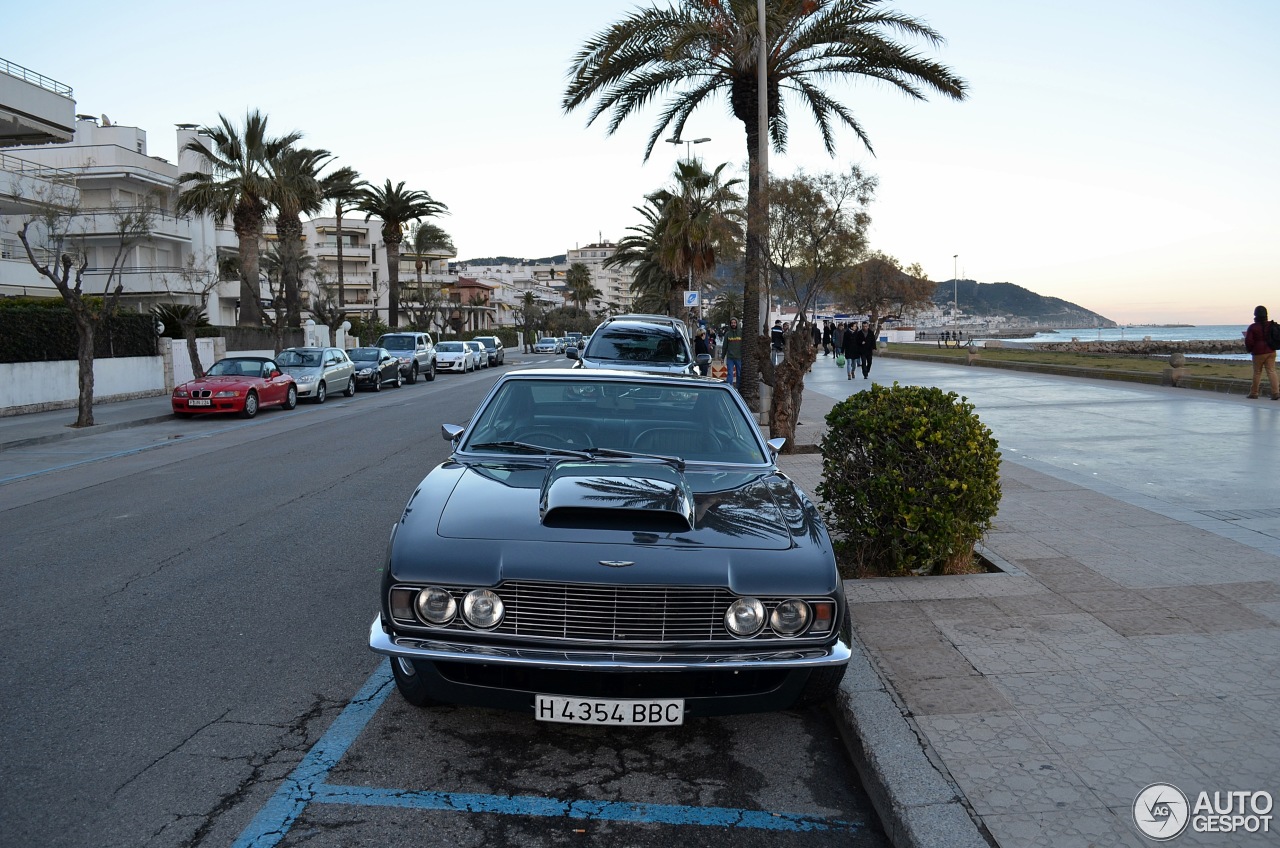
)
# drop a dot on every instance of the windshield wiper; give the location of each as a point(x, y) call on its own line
point(531, 448)
point(595, 453)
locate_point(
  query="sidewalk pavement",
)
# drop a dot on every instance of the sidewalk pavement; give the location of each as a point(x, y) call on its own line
point(1119, 647)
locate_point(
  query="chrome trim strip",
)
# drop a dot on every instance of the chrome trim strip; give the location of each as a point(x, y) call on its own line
point(435, 650)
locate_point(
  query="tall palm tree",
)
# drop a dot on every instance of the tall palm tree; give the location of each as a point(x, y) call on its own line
point(343, 188)
point(236, 186)
point(294, 190)
point(396, 207)
point(653, 286)
point(699, 222)
point(578, 281)
point(694, 50)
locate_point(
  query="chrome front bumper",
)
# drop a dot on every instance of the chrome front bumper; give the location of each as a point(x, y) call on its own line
point(434, 650)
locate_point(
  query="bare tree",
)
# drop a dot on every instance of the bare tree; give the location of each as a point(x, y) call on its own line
point(59, 254)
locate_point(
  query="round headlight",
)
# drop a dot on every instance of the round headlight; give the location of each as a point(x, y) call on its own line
point(435, 605)
point(790, 617)
point(745, 617)
point(482, 609)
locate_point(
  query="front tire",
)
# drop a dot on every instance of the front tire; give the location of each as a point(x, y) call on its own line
point(291, 398)
point(410, 683)
point(431, 372)
point(377, 383)
point(351, 387)
point(250, 405)
point(322, 393)
point(399, 379)
point(413, 375)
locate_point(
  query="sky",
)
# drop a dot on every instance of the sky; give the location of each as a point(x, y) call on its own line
point(1119, 154)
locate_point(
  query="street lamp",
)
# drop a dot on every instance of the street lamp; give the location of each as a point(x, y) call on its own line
point(688, 144)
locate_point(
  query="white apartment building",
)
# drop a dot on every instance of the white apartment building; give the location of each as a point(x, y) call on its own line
point(614, 283)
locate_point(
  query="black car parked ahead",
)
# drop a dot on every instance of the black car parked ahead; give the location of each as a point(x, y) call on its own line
point(376, 367)
point(493, 345)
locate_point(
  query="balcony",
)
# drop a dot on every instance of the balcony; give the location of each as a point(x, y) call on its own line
point(26, 186)
point(349, 251)
point(33, 108)
point(102, 222)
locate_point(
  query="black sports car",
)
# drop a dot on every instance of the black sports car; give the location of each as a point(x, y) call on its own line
point(609, 547)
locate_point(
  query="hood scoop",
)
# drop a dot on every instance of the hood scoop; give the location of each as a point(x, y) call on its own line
point(643, 497)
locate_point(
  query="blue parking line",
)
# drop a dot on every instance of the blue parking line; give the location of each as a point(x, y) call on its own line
point(621, 811)
point(306, 785)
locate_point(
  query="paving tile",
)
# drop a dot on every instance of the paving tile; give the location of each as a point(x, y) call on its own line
point(1178, 597)
point(952, 609)
point(885, 612)
point(1144, 622)
point(1117, 776)
point(1011, 658)
point(1225, 616)
point(1269, 610)
point(1143, 683)
point(1198, 720)
point(921, 663)
point(1086, 581)
point(1092, 828)
point(1052, 565)
point(951, 696)
point(1091, 728)
point(1112, 599)
point(908, 633)
point(1249, 763)
point(1022, 784)
point(1047, 689)
point(981, 735)
point(1038, 603)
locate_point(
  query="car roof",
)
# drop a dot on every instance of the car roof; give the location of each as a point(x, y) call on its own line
point(593, 374)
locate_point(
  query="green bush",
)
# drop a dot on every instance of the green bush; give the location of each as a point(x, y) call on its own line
point(910, 481)
point(45, 331)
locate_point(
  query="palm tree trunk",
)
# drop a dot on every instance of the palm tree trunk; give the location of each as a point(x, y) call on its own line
point(393, 283)
point(289, 233)
point(757, 220)
point(248, 229)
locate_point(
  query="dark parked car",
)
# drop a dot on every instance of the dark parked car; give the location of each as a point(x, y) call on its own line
point(651, 564)
point(376, 367)
point(493, 345)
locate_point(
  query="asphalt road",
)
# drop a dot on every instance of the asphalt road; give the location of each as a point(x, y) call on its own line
point(185, 608)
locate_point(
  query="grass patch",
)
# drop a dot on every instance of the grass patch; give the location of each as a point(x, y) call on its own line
point(1208, 368)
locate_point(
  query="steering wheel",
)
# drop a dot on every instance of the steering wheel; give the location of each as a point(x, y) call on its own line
point(560, 437)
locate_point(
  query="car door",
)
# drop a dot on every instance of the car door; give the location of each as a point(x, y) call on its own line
point(274, 388)
point(344, 368)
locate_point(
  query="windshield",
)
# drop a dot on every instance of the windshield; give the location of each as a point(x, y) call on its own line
point(698, 422)
point(488, 343)
point(449, 347)
point(236, 368)
point(398, 343)
point(639, 344)
point(366, 354)
point(298, 358)
point(548, 341)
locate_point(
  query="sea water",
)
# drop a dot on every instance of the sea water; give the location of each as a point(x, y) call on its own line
point(1202, 333)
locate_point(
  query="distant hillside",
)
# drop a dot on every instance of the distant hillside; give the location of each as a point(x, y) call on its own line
point(515, 260)
point(1016, 302)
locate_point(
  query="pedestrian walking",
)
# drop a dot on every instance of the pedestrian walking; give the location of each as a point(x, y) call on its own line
point(867, 349)
point(1260, 344)
point(777, 340)
point(700, 347)
point(711, 340)
point(849, 345)
point(827, 330)
point(733, 354)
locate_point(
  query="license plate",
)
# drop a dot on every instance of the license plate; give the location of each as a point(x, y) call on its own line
point(604, 711)
point(199, 402)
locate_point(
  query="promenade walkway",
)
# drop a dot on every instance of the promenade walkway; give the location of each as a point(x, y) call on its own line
point(1133, 638)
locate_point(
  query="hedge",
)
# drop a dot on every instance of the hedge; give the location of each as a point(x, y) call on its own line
point(46, 332)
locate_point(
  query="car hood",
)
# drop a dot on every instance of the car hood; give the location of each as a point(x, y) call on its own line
point(624, 522)
point(302, 372)
point(217, 384)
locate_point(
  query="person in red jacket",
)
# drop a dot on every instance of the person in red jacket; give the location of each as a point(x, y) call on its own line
point(1264, 356)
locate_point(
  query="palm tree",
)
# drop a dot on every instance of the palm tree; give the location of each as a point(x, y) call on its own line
point(236, 186)
point(652, 284)
point(342, 187)
point(578, 280)
point(294, 190)
point(694, 50)
point(396, 207)
point(699, 221)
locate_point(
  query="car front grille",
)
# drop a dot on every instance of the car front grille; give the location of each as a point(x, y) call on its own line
point(654, 615)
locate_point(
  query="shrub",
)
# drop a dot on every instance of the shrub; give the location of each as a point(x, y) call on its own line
point(910, 480)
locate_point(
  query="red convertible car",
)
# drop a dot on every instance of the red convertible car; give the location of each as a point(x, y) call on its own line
point(242, 384)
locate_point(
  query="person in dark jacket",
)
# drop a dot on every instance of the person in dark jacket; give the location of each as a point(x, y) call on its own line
point(867, 348)
point(849, 346)
point(827, 331)
point(1264, 356)
point(700, 347)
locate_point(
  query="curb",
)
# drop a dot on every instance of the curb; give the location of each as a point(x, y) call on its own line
point(917, 804)
point(76, 432)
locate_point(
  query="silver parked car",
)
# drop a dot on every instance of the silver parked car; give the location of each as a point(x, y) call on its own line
point(318, 371)
point(478, 354)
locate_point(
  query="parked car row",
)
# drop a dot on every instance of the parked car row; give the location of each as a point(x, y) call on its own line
point(243, 385)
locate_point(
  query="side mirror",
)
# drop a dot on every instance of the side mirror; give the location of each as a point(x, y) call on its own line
point(275, 373)
point(451, 432)
point(704, 359)
point(571, 352)
point(775, 445)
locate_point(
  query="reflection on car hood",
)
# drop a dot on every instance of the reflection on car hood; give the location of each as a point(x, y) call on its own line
point(216, 382)
point(302, 370)
point(481, 523)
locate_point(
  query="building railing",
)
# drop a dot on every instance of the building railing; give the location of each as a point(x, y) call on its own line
point(27, 75)
point(14, 165)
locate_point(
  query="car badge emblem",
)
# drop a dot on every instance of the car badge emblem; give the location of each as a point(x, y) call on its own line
point(615, 563)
